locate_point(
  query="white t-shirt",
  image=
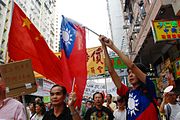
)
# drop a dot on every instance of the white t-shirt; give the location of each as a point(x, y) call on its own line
point(119, 115)
point(174, 110)
point(177, 116)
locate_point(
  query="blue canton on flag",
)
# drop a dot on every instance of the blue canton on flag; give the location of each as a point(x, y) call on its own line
point(67, 36)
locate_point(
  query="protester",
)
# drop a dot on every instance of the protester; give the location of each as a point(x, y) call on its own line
point(31, 110)
point(120, 112)
point(110, 104)
point(37, 99)
point(60, 111)
point(48, 106)
point(169, 106)
point(140, 104)
point(84, 108)
point(98, 112)
point(40, 110)
point(10, 109)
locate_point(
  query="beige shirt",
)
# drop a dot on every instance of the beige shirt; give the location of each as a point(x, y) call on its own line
point(112, 105)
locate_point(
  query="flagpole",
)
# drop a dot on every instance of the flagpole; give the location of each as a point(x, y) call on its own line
point(73, 85)
point(92, 31)
point(105, 83)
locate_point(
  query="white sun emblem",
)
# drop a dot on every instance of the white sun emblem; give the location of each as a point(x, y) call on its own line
point(66, 34)
point(132, 104)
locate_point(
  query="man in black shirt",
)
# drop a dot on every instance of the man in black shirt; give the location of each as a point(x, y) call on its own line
point(60, 111)
point(98, 112)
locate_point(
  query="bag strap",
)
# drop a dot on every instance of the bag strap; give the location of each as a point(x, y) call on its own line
point(168, 112)
point(32, 115)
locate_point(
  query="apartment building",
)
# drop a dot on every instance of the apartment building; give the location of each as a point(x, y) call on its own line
point(42, 14)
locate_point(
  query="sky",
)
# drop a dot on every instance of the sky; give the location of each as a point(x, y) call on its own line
point(90, 13)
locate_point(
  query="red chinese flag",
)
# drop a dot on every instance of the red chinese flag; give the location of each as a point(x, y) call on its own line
point(25, 42)
point(73, 49)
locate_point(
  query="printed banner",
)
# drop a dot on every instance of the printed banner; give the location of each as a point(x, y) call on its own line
point(95, 61)
point(99, 85)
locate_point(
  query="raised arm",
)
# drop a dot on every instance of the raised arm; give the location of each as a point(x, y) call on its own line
point(71, 102)
point(126, 60)
point(116, 79)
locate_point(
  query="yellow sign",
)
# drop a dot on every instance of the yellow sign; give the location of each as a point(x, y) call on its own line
point(166, 30)
point(95, 61)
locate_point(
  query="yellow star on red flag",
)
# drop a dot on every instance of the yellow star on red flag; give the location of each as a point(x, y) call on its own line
point(26, 22)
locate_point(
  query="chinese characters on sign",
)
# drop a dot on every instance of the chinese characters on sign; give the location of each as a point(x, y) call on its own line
point(95, 61)
point(18, 77)
point(166, 30)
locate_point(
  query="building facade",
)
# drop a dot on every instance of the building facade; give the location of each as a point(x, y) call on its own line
point(163, 56)
point(116, 22)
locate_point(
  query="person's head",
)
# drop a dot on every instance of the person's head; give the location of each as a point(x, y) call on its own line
point(89, 103)
point(49, 105)
point(37, 100)
point(109, 98)
point(40, 108)
point(57, 95)
point(98, 98)
point(2, 89)
point(121, 101)
point(159, 100)
point(171, 97)
point(132, 78)
point(32, 107)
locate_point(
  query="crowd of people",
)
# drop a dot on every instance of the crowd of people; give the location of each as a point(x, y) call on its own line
point(136, 103)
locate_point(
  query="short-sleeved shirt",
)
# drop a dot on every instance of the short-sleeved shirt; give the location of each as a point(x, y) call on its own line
point(65, 115)
point(96, 114)
point(174, 109)
point(112, 105)
point(139, 106)
point(12, 110)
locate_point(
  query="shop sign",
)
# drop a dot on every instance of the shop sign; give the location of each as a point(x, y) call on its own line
point(117, 63)
point(164, 30)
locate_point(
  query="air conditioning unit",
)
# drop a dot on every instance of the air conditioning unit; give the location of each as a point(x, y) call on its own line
point(125, 26)
point(136, 30)
point(126, 16)
point(137, 23)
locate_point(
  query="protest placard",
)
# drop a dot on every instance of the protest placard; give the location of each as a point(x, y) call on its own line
point(18, 77)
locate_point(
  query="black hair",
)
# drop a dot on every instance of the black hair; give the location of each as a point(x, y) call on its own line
point(43, 109)
point(98, 93)
point(110, 95)
point(63, 88)
point(141, 66)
